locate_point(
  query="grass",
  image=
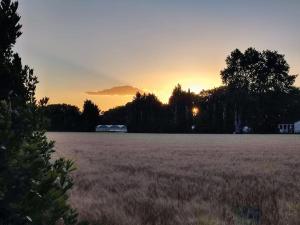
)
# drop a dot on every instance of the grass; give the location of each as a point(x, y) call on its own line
point(148, 179)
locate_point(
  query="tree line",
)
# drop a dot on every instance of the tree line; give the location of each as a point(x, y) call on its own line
point(65, 117)
point(257, 92)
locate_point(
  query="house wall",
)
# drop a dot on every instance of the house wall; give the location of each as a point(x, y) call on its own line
point(286, 128)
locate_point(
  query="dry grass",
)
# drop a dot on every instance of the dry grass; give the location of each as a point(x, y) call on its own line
point(149, 179)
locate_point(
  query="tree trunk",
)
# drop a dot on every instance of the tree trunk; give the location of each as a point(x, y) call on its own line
point(237, 121)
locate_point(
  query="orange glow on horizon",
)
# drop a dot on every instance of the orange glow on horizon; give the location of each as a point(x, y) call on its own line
point(162, 86)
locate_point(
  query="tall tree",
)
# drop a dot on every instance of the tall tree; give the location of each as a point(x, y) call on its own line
point(181, 104)
point(33, 188)
point(62, 117)
point(216, 111)
point(255, 74)
point(90, 115)
point(145, 114)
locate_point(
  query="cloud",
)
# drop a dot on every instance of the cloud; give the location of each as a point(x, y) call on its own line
point(118, 90)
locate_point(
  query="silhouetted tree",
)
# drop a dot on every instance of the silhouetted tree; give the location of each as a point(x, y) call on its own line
point(258, 93)
point(144, 113)
point(216, 113)
point(33, 188)
point(90, 116)
point(115, 116)
point(63, 117)
point(255, 75)
point(181, 104)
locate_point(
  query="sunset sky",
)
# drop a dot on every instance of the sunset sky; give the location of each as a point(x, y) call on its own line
point(80, 46)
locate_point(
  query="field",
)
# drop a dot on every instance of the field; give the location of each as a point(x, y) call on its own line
point(170, 179)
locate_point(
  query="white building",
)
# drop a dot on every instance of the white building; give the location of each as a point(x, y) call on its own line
point(289, 128)
point(111, 128)
point(286, 128)
point(297, 127)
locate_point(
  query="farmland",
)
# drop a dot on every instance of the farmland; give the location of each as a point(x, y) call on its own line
point(183, 179)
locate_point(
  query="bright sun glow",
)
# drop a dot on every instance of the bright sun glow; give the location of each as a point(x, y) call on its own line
point(195, 88)
point(195, 111)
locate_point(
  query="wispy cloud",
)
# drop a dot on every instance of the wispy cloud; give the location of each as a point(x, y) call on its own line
point(118, 90)
point(77, 69)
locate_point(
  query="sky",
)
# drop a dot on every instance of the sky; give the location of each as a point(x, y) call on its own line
point(82, 47)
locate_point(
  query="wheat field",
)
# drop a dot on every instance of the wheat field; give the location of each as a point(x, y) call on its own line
point(184, 179)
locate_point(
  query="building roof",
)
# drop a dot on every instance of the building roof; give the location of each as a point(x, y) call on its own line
point(108, 125)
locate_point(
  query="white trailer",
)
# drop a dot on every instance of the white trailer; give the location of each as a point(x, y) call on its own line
point(111, 128)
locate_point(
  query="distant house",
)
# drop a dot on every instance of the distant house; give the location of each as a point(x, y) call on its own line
point(286, 128)
point(289, 128)
point(297, 127)
point(111, 128)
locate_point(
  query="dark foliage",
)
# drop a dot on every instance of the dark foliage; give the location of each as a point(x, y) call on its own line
point(33, 187)
point(217, 112)
point(147, 114)
point(256, 81)
point(181, 104)
point(144, 114)
point(90, 116)
point(62, 117)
